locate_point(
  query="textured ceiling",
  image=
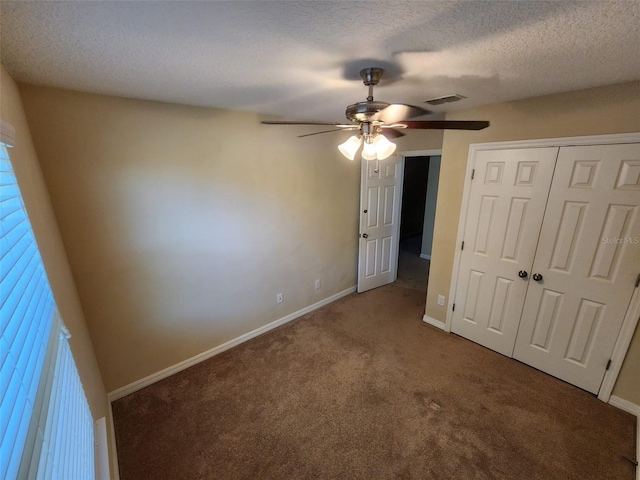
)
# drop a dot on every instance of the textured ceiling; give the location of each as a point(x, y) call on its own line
point(299, 59)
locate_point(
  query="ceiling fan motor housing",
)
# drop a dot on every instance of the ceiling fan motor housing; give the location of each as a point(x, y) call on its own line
point(363, 111)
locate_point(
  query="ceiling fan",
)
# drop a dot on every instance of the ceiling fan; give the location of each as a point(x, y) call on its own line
point(377, 122)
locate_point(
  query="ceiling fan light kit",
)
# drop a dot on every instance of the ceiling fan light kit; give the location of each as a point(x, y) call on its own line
point(369, 151)
point(351, 146)
point(376, 145)
point(384, 148)
point(375, 148)
point(378, 120)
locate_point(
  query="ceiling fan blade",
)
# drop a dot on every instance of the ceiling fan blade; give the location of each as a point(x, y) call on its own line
point(447, 124)
point(399, 111)
point(390, 133)
point(328, 131)
point(272, 122)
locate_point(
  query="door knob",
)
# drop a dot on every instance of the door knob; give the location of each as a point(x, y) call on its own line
point(522, 274)
point(365, 235)
point(537, 277)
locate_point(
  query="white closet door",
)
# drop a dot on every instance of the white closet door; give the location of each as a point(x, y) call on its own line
point(506, 206)
point(589, 260)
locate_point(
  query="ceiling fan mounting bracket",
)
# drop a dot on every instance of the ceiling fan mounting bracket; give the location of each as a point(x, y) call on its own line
point(371, 76)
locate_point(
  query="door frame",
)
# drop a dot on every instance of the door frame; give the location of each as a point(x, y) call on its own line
point(416, 153)
point(633, 312)
point(398, 211)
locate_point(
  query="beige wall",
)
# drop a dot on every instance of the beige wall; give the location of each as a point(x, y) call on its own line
point(417, 141)
point(628, 384)
point(36, 198)
point(605, 110)
point(182, 223)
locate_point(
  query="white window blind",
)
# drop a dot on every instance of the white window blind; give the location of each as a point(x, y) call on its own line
point(46, 427)
point(60, 438)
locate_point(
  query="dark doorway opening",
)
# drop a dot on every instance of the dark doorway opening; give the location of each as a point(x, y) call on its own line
point(416, 224)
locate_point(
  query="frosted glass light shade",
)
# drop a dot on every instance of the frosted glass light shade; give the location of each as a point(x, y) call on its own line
point(369, 151)
point(384, 148)
point(350, 147)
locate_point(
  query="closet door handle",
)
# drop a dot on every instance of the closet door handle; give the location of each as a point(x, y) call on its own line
point(537, 277)
point(522, 274)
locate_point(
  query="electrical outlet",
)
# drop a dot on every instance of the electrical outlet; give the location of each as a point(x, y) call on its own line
point(441, 300)
point(279, 298)
point(317, 284)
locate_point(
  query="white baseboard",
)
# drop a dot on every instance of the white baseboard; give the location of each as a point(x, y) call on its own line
point(167, 372)
point(625, 405)
point(425, 256)
point(433, 321)
point(633, 409)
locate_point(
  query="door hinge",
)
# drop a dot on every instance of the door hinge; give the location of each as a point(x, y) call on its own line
point(638, 281)
point(473, 173)
point(462, 247)
point(608, 365)
point(454, 308)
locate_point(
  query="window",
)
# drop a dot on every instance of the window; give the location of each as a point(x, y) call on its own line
point(46, 426)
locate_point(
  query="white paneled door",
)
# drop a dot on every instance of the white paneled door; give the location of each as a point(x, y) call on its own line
point(587, 264)
point(572, 225)
point(506, 207)
point(380, 197)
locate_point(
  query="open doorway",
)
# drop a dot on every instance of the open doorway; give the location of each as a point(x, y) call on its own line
point(419, 193)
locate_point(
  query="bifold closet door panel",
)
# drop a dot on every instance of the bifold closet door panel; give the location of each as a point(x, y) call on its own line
point(504, 216)
point(588, 258)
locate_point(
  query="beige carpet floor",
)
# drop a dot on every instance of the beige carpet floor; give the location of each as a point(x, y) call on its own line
point(363, 389)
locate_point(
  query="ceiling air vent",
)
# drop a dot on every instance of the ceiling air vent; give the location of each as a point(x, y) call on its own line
point(445, 99)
